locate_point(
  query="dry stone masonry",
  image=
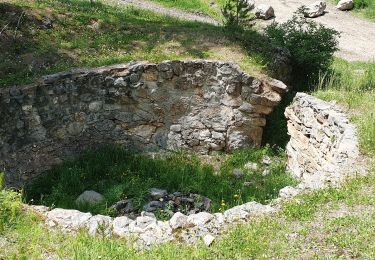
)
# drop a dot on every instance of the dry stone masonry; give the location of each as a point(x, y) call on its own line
point(203, 106)
point(323, 144)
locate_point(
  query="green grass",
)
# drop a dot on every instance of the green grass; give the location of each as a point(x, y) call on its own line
point(118, 174)
point(85, 35)
point(202, 6)
point(353, 85)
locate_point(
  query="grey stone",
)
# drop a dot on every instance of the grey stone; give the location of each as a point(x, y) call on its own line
point(124, 206)
point(89, 197)
point(200, 218)
point(288, 192)
point(238, 173)
point(264, 12)
point(158, 193)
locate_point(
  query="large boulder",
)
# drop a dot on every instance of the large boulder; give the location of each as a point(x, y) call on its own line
point(344, 5)
point(264, 12)
point(314, 10)
point(89, 197)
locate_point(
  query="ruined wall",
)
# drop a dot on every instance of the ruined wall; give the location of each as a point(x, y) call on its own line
point(323, 143)
point(204, 106)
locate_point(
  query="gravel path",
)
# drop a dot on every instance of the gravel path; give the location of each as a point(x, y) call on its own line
point(357, 41)
point(170, 11)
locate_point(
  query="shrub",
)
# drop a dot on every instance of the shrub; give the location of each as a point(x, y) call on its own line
point(237, 13)
point(10, 207)
point(311, 46)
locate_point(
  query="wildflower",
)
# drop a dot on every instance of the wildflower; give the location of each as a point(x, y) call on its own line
point(236, 196)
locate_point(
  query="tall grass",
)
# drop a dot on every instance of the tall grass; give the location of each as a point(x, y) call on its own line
point(353, 85)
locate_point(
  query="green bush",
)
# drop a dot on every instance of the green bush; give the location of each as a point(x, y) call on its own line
point(236, 13)
point(311, 46)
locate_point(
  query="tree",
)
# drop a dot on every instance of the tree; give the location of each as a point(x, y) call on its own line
point(237, 13)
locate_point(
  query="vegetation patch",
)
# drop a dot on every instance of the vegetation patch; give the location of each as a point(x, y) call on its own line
point(120, 174)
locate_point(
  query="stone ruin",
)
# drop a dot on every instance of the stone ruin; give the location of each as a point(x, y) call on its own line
point(203, 106)
point(323, 144)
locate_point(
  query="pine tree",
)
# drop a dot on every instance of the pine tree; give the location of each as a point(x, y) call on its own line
point(237, 12)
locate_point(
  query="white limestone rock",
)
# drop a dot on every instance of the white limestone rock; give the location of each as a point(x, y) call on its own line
point(208, 239)
point(68, 219)
point(178, 220)
point(100, 224)
point(345, 5)
point(121, 226)
point(314, 10)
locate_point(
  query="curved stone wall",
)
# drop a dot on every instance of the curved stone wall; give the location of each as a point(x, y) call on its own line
point(323, 144)
point(204, 106)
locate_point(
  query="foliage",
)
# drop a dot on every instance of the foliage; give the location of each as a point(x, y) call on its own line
point(236, 13)
point(2, 180)
point(311, 46)
point(117, 174)
point(10, 206)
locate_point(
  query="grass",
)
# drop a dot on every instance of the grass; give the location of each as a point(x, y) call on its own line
point(85, 35)
point(365, 8)
point(353, 85)
point(202, 6)
point(118, 174)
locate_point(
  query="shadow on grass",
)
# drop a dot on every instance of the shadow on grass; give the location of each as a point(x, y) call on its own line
point(118, 174)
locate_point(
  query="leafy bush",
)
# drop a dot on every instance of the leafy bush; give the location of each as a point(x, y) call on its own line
point(237, 13)
point(311, 46)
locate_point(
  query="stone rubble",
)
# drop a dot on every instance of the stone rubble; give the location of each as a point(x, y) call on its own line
point(146, 230)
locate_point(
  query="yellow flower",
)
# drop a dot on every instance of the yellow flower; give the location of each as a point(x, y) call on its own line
point(236, 195)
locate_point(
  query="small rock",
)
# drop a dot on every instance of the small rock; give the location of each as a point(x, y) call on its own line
point(314, 10)
point(89, 197)
point(208, 239)
point(120, 226)
point(248, 183)
point(344, 5)
point(153, 205)
point(288, 192)
point(178, 220)
point(238, 173)
point(266, 160)
point(158, 193)
point(266, 172)
point(124, 206)
point(264, 12)
point(251, 166)
point(100, 224)
point(200, 218)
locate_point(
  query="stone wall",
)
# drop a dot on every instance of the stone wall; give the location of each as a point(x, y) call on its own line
point(204, 106)
point(323, 144)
